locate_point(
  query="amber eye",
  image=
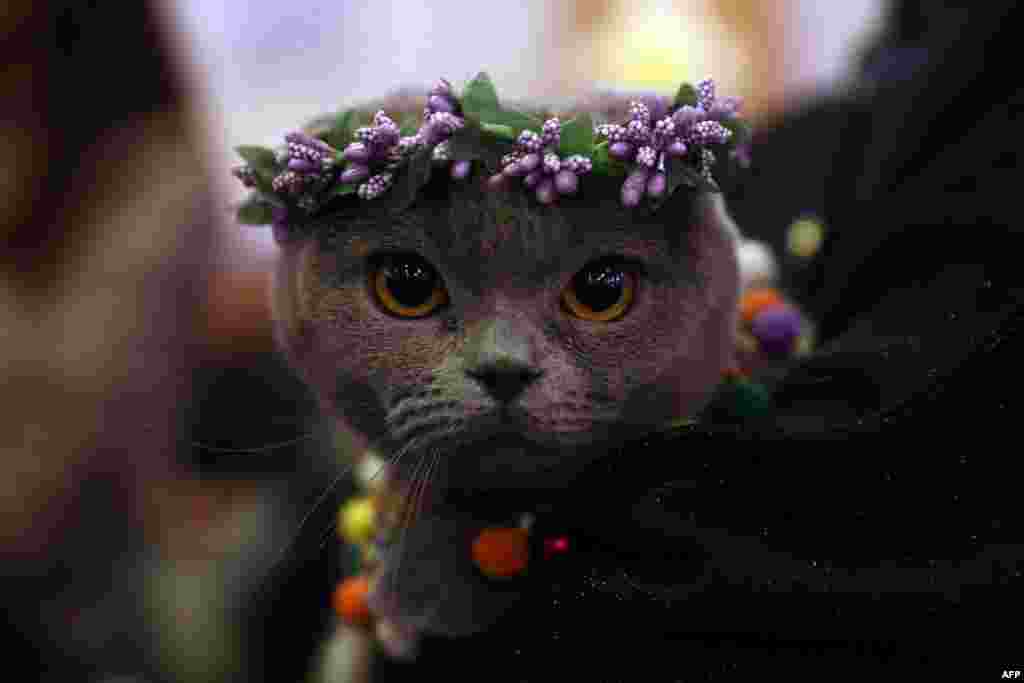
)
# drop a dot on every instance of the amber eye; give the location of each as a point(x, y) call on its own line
point(407, 286)
point(602, 292)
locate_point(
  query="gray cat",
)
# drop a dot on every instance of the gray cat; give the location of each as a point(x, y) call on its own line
point(480, 341)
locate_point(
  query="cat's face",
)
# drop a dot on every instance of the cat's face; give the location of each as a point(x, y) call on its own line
point(507, 337)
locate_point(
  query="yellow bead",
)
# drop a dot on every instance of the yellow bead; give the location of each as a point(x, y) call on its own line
point(805, 237)
point(357, 520)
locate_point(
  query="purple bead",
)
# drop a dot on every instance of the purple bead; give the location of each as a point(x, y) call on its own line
point(460, 169)
point(514, 170)
point(546, 191)
point(552, 164)
point(302, 166)
point(776, 330)
point(686, 116)
point(638, 111)
point(578, 164)
point(658, 105)
point(634, 187)
point(551, 133)
point(638, 133)
point(638, 178)
point(496, 182)
point(621, 150)
point(530, 141)
point(706, 94)
point(357, 152)
point(725, 107)
point(657, 184)
point(566, 182)
point(440, 103)
point(709, 133)
point(442, 88)
point(647, 156)
point(613, 131)
point(533, 179)
point(631, 196)
point(530, 162)
point(355, 174)
point(677, 149)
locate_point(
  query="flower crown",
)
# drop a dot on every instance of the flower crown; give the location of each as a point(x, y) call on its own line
point(661, 146)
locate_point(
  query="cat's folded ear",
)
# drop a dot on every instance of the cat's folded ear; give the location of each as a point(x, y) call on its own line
point(289, 304)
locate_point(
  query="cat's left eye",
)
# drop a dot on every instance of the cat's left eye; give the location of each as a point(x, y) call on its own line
point(601, 292)
point(407, 286)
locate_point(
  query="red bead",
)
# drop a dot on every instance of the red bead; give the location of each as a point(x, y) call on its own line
point(555, 546)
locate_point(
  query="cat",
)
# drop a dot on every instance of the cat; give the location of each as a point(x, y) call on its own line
point(498, 343)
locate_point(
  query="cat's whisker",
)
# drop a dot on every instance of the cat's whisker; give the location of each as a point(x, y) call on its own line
point(298, 531)
point(255, 449)
point(403, 526)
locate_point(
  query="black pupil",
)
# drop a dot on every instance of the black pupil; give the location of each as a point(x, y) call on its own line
point(599, 287)
point(411, 281)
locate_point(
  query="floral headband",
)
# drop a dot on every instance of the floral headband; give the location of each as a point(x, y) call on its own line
point(661, 146)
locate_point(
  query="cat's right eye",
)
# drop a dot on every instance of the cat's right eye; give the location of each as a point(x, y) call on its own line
point(407, 286)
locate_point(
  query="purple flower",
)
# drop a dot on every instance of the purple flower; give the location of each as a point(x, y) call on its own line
point(578, 164)
point(706, 94)
point(543, 171)
point(529, 141)
point(638, 111)
point(653, 134)
point(708, 133)
point(552, 164)
point(460, 169)
point(686, 116)
point(647, 156)
point(551, 133)
point(375, 186)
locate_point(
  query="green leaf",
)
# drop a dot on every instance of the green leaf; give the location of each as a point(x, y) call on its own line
point(499, 131)
point(517, 121)
point(473, 142)
point(258, 158)
point(339, 135)
point(605, 164)
point(255, 211)
point(263, 163)
point(480, 99)
point(577, 136)
point(686, 94)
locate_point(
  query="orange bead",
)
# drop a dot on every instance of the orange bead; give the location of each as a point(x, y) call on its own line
point(349, 600)
point(756, 300)
point(733, 373)
point(502, 552)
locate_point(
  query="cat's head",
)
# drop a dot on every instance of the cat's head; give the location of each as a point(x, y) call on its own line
point(508, 337)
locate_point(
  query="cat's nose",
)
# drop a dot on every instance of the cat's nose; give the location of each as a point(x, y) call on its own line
point(504, 381)
point(498, 358)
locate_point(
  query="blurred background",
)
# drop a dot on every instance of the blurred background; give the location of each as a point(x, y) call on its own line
point(160, 458)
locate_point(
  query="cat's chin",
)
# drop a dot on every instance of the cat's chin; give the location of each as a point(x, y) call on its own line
point(503, 460)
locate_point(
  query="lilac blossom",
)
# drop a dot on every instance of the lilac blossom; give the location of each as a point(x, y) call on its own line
point(536, 160)
point(653, 134)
